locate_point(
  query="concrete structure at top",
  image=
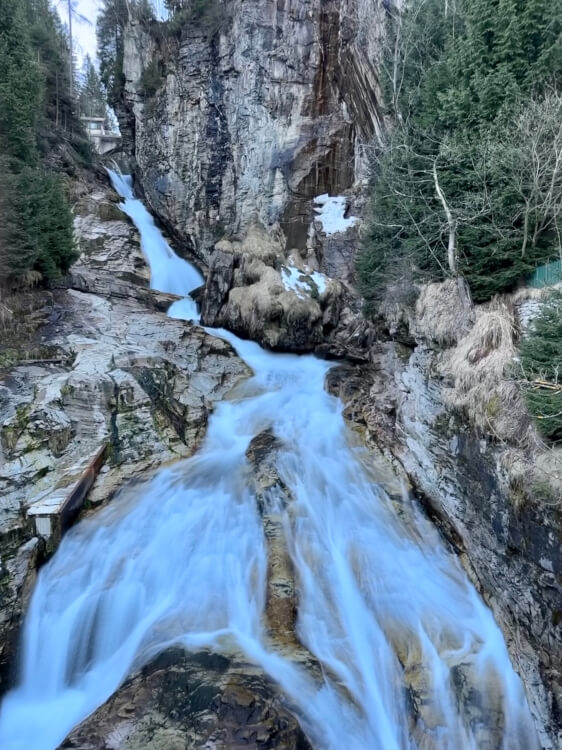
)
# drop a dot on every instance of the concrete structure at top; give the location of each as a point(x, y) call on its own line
point(103, 140)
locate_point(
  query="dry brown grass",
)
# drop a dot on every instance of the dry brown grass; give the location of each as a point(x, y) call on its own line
point(533, 476)
point(526, 293)
point(480, 369)
point(548, 471)
point(443, 312)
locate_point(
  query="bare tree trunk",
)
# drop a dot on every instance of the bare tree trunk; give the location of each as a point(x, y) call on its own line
point(71, 65)
point(452, 245)
point(395, 65)
point(525, 230)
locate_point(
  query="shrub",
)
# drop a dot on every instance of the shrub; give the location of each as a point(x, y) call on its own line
point(152, 77)
point(541, 366)
point(206, 15)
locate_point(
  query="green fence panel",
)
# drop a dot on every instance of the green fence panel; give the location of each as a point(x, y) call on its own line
point(550, 273)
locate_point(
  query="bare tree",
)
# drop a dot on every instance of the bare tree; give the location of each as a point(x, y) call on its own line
point(529, 154)
point(414, 183)
point(409, 44)
point(73, 13)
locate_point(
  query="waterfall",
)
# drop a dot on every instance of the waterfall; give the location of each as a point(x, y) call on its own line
point(182, 560)
point(168, 272)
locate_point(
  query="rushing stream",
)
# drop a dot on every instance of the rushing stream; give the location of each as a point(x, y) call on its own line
point(182, 559)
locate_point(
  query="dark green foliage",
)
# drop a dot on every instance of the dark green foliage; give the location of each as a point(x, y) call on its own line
point(54, 227)
point(206, 15)
point(51, 51)
point(152, 78)
point(474, 108)
point(541, 360)
point(37, 118)
point(111, 24)
point(40, 228)
point(392, 257)
point(508, 48)
point(92, 97)
point(20, 84)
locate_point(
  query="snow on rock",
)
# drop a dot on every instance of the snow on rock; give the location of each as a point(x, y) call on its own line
point(331, 213)
point(528, 311)
point(303, 283)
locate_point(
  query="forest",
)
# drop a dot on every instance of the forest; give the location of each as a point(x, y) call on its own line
point(468, 179)
point(467, 182)
point(41, 142)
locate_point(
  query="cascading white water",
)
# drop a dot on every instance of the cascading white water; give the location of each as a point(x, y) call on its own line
point(168, 273)
point(182, 560)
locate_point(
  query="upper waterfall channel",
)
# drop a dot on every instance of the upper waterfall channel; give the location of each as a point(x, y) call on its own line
point(182, 560)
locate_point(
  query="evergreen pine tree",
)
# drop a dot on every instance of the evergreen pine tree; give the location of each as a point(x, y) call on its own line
point(36, 116)
point(111, 24)
point(51, 48)
point(20, 85)
point(541, 365)
point(464, 81)
point(92, 96)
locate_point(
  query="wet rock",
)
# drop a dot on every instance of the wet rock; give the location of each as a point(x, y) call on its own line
point(282, 306)
point(482, 493)
point(124, 375)
point(274, 500)
point(273, 497)
point(18, 569)
point(200, 700)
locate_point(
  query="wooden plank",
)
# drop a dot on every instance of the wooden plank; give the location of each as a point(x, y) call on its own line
point(75, 500)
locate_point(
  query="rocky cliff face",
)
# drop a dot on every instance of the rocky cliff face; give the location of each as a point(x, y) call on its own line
point(444, 406)
point(105, 367)
point(251, 150)
point(256, 121)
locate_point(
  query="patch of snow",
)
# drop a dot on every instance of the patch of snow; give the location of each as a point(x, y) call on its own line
point(331, 213)
point(320, 281)
point(295, 281)
point(302, 283)
point(528, 311)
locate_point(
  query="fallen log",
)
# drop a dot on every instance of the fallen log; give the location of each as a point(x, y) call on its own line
point(546, 384)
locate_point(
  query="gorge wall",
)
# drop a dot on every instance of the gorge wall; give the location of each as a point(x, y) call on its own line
point(246, 128)
point(252, 123)
point(442, 403)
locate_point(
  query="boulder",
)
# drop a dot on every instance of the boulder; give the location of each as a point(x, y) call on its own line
point(199, 700)
point(284, 305)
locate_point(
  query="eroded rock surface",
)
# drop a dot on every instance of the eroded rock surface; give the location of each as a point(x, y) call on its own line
point(254, 122)
point(447, 409)
point(254, 292)
point(108, 368)
point(201, 700)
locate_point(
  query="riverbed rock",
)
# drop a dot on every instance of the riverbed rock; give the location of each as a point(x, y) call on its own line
point(199, 700)
point(107, 368)
point(255, 293)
